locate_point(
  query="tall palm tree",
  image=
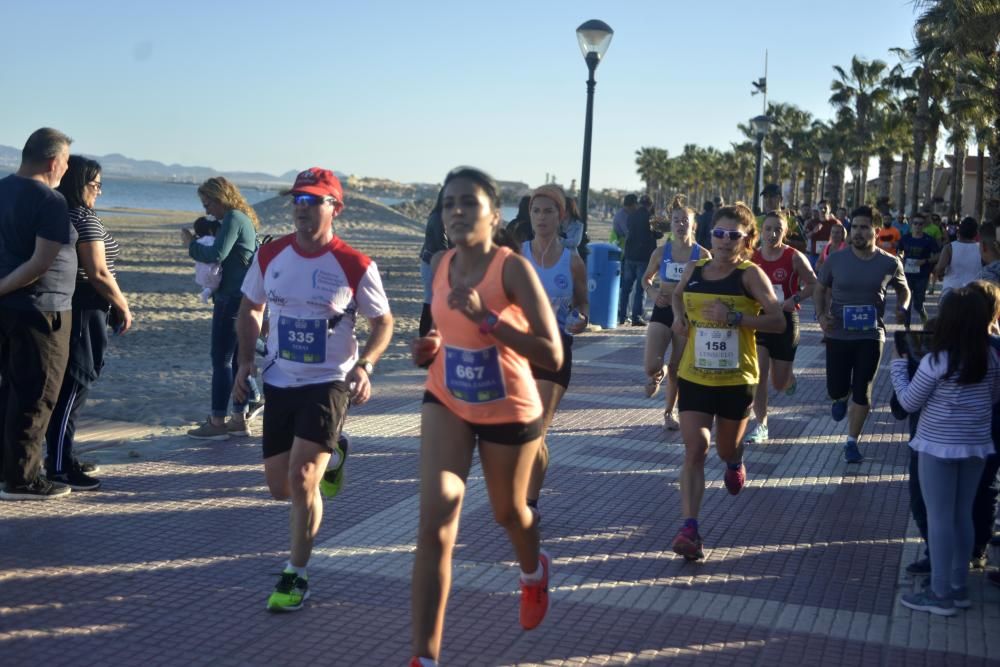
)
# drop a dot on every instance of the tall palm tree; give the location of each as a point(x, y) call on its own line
point(648, 161)
point(966, 28)
point(859, 94)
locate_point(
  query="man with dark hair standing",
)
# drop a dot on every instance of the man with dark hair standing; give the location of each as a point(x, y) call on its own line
point(619, 226)
point(850, 303)
point(37, 278)
point(703, 229)
point(639, 245)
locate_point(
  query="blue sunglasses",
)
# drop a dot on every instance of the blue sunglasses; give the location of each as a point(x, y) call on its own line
point(311, 200)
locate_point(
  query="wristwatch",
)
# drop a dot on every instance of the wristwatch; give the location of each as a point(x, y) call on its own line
point(489, 322)
point(733, 318)
point(796, 299)
point(366, 365)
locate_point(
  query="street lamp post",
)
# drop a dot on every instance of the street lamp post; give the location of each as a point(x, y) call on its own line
point(594, 37)
point(825, 154)
point(859, 197)
point(760, 125)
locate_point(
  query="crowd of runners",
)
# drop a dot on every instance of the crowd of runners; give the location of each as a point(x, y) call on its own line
point(496, 338)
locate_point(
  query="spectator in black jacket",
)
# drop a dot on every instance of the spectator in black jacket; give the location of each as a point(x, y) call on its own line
point(639, 245)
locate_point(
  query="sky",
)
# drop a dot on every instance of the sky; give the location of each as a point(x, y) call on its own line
point(407, 90)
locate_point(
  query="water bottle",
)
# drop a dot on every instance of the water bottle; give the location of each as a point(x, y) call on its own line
point(572, 320)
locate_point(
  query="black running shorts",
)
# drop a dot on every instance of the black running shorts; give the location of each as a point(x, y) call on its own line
point(512, 433)
point(562, 376)
point(782, 346)
point(732, 402)
point(314, 412)
point(663, 314)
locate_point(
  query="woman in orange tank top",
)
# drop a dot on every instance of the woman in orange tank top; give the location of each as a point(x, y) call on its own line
point(492, 320)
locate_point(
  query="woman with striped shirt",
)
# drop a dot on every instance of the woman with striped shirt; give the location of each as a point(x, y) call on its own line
point(955, 387)
point(96, 293)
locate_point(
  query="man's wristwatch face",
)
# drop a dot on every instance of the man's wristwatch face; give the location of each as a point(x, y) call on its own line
point(366, 365)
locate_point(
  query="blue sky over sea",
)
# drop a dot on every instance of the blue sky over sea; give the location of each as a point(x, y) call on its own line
point(407, 90)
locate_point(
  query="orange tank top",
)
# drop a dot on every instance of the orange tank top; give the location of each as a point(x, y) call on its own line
point(474, 375)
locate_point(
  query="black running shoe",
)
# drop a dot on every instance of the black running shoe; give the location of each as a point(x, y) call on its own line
point(77, 480)
point(40, 489)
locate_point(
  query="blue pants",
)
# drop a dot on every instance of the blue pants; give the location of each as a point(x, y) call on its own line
point(631, 277)
point(917, 282)
point(949, 487)
point(224, 352)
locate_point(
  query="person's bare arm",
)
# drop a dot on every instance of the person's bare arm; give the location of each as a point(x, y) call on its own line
point(806, 276)
point(41, 259)
point(379, 335)
point(95, 265)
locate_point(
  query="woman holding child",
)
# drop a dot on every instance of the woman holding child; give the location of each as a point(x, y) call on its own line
point(234, 246)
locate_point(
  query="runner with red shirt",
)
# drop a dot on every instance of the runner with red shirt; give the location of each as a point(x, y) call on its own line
point(792, 278)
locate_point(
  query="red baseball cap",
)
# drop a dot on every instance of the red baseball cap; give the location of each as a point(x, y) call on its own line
point(316, 181)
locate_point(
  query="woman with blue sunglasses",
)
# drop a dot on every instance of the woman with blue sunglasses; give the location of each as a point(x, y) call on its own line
point(718, 306)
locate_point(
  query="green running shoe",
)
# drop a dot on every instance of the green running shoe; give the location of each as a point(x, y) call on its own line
point(333, 478)
point(291, 591)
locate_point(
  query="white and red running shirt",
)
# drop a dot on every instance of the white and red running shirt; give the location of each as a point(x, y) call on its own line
point(313, 299)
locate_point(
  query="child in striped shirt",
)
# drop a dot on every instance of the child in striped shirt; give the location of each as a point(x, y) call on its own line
point(955, 387)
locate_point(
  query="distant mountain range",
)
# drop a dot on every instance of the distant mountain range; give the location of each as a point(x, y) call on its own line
point(121, 166)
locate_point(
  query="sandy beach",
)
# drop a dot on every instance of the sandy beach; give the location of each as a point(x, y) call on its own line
point(158, 374)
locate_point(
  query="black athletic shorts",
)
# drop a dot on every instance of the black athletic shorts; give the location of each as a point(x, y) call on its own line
point(512, 433)
point(850, 368)
point(314, 412)
point(663, 315)
point(782, 346)
point(562, 376)
point(727, 402)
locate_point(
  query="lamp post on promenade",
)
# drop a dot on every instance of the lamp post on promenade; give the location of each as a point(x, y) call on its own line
point(760, 125)
point(594, 37)
point(825, 154)
point(859, 197)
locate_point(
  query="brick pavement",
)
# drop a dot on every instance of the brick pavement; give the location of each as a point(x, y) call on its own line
point(172, 561)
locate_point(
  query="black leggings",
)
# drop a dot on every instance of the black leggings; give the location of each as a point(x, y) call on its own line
point(850, 368)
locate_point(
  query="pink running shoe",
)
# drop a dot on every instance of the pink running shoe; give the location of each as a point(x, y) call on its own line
point(735, 479)
point(688, 544)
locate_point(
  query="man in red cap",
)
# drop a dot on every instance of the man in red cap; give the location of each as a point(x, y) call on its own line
point(314, 285)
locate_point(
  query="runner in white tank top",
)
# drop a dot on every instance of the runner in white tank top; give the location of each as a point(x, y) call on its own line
point(960, 261)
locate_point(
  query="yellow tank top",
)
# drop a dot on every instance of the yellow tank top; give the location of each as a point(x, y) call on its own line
point(717, 355)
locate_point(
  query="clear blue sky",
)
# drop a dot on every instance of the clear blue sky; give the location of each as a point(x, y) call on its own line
point(407, 90)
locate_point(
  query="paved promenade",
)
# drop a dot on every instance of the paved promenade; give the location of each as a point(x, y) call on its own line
point(171, 563)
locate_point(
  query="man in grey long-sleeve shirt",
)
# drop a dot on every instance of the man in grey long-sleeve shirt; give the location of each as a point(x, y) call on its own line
point(850, 302)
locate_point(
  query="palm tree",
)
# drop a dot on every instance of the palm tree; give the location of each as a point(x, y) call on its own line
point(859, 94)
point(649, 161)
point(965, 28)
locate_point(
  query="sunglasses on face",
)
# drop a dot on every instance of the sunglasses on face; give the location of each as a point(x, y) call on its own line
point(731, 234)
point(311, 200)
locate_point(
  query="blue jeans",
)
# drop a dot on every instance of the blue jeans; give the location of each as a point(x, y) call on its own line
point(917, 282)
point(949, 487)
point(631, 277)
point(224, 364)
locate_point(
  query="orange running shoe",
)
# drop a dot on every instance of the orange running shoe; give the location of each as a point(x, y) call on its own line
point(535, 596)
